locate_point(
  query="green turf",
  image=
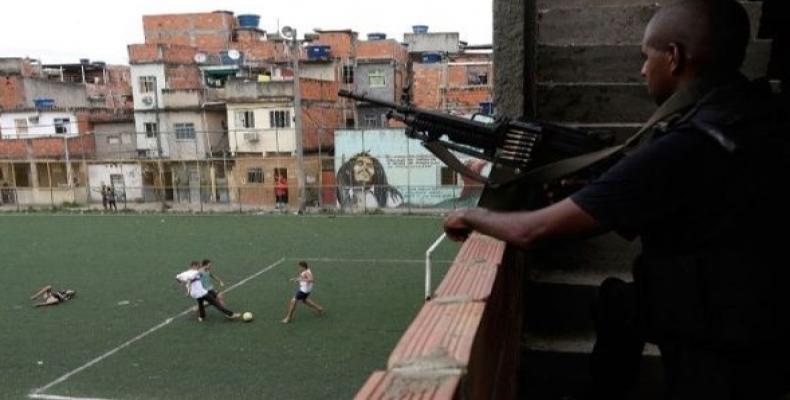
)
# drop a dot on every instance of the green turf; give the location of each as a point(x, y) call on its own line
point(111, 260)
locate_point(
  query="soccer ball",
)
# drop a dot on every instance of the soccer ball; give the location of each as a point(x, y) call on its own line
point(247, 316)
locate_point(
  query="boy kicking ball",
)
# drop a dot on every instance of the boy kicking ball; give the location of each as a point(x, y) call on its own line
point(191, 279)
point(305, 280)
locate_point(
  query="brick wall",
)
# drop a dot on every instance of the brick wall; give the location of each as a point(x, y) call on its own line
point(468, 99)
point(183, 77)
point(12, 92)
point(313, 89)
point(388, 49)
point(166, 53)
point(342, 43)
point(318, 125)
point(208, 32)
point(83, 146)
point(427, 88)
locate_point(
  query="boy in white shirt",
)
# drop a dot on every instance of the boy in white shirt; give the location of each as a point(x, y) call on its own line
point(305, 280)
point(191, 278)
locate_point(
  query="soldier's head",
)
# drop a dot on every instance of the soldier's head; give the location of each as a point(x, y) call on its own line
point(693, 39)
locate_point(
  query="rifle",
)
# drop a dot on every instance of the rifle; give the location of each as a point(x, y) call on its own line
point(528, 152)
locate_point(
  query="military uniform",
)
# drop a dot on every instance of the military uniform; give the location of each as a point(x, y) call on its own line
point(701, 187)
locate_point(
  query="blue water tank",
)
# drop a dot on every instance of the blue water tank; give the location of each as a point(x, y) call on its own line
point(249, 20)
point(487, 108)
point(377, 36)
point(419, 28)
point(41, 102)
point(431, 58)
point(318, 52)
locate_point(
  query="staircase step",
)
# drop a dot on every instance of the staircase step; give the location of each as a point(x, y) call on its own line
point(552, 4)
point(615, 24)
point(549, 375)
point(575, 344)
point(619, 63)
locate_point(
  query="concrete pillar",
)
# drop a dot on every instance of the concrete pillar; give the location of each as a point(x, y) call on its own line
point(515, 30)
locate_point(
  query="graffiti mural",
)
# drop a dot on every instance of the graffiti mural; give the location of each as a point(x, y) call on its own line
point(381, 168)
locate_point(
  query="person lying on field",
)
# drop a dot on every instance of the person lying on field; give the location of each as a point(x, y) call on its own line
point(51, 297)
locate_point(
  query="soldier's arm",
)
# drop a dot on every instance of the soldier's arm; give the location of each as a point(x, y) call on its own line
point(523, 228)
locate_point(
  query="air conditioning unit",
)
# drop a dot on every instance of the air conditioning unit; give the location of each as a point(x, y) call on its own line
point(251, 136)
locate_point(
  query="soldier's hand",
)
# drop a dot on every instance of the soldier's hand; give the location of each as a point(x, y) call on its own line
point(455, 227)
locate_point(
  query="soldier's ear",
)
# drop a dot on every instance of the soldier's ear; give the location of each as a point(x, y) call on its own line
point(677, 57)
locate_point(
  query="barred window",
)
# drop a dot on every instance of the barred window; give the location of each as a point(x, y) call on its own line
point(147, 84)
point(255, 175)
point(151, 129)
point(279, 119)
point(245, 119)
point(185, 130)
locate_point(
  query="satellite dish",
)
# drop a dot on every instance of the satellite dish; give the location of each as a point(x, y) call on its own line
point(234, 54)
point(148, 100)
point(288, 31)
point(200, 58)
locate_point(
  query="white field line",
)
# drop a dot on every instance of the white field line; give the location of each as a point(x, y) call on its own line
point(370, 260)
point(53, 397)
point(38, 391)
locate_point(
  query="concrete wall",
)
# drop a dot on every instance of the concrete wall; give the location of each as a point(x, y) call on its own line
point(65, 94)
point(45, 126)
point(362, 80)
point(171, 146)
point(261, 138)
point(240, 91)
point(156, 70)
point(319, 71)
point(132, 183)
point(115, 140)
point(444, 42)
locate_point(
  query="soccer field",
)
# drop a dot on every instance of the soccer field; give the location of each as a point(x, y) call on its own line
point(130, 333)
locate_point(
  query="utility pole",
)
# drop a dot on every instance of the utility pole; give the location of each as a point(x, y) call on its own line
point(291, 33)
point(159, 164)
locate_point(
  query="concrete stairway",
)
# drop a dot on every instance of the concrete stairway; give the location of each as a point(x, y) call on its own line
point(588, 75)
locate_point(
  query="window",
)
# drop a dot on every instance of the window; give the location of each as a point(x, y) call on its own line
point(372, 121)
point(377, 78)
point(113, 140)
point(147, 84)
point(245, 119)
point(20, 125)
point(185, 131)
point(62, 125)
point(350, 123)
point(151, 129)
point(348, 74)
point(448, 177)
point(255, 175)
point(477, 76)
point(279, 119)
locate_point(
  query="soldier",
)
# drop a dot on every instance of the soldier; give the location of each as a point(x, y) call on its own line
point(701, 193)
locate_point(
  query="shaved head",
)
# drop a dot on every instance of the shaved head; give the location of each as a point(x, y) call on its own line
point(712, 34)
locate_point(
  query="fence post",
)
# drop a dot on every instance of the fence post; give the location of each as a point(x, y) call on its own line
point(238, 198)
